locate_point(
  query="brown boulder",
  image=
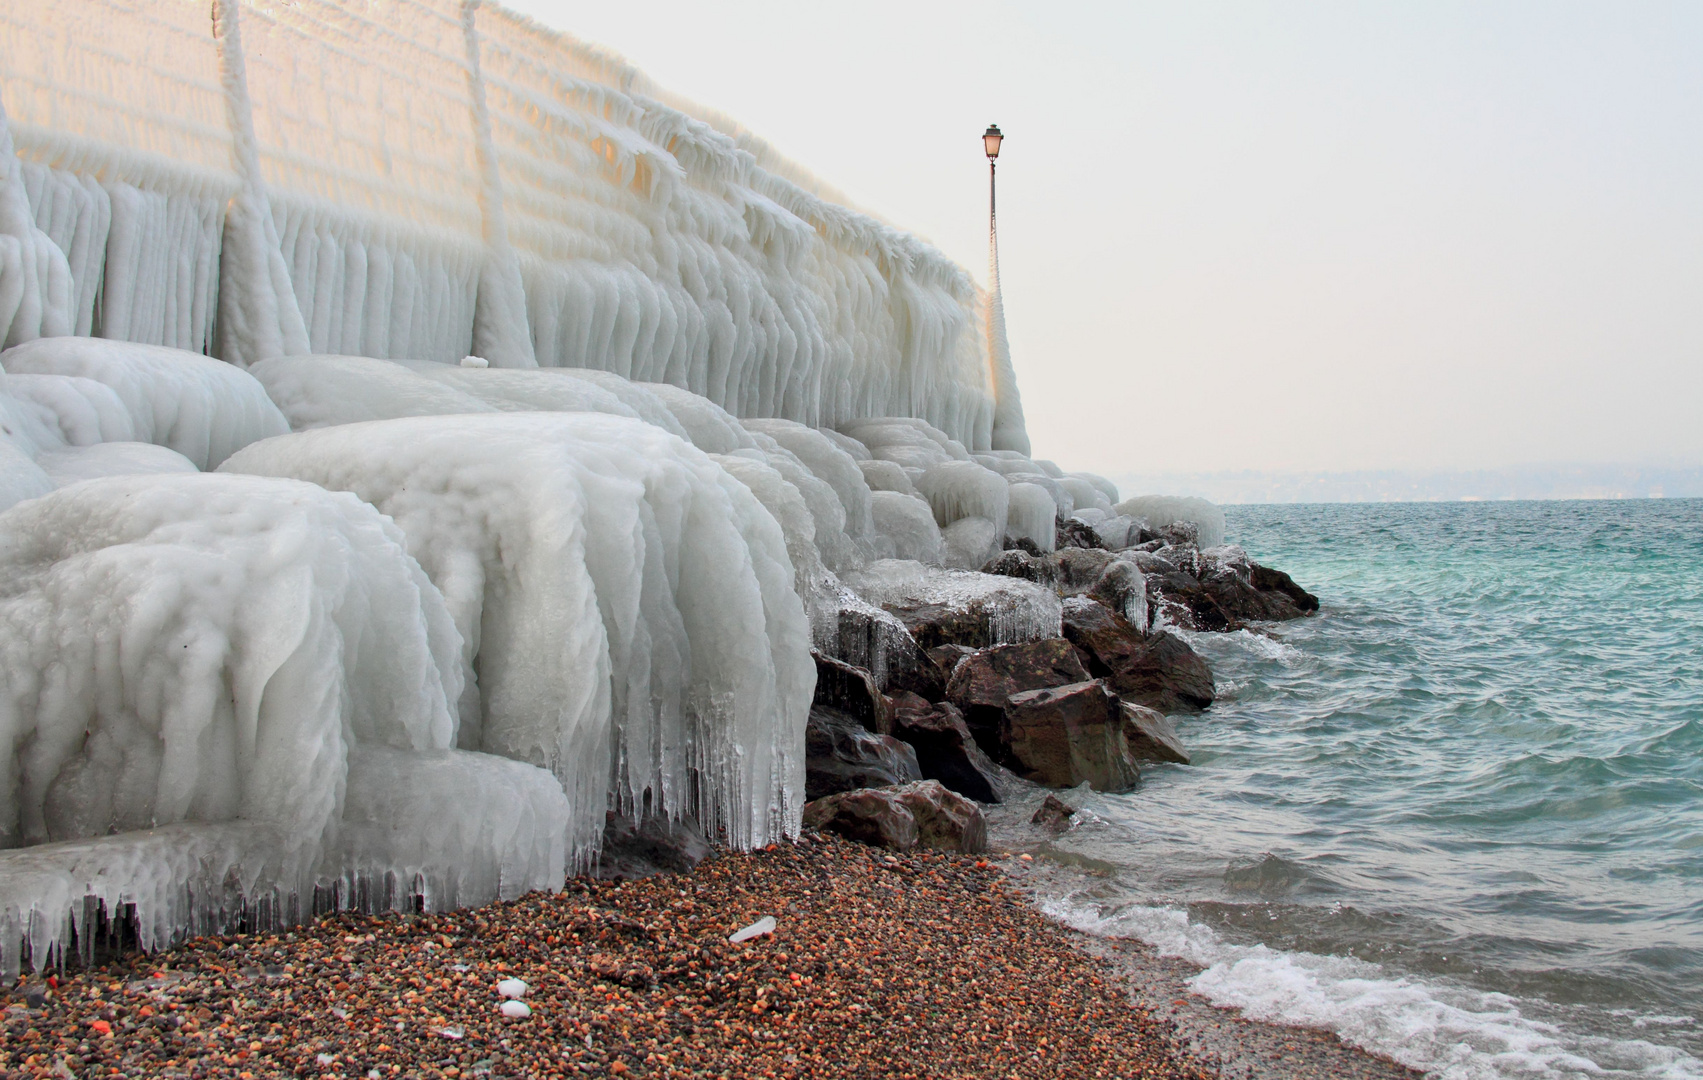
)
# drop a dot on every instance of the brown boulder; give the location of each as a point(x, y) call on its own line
point(945, 658)
point(1150, 736)
point(840, 754)
point(922, 814)
point(1158, 670)
point(1054, 814)
point(1067, 735)
point(945, 749)
point(981, 684)
point(876, 641)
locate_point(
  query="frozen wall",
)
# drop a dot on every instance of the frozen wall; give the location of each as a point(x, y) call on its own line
point(422, 179)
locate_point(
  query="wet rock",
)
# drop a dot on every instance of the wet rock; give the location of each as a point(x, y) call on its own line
point(1021, 543)
point(1077, 534)
point(1076, 571)
point(1150, 736)
point(981, 684)
point(1180, 532)
point(1068, 735)
point(945, 658)
point(874, 816)
point(1156, 669)
point(640, 848)
point(840, 754)
point(1268, 581)
point(870, 638)
point(945, 749)
point(1054, 814)
point(923, 814)
point(958, 607)
point(853, 692)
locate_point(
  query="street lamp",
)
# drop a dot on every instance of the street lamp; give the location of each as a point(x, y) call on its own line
point(990, 143)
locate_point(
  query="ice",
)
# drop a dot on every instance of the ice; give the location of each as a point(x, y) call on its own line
point(1100, 483)
point(815, 585)
point(511, 988)
point(830, 463)
point(36, 288)
point(886, 476)
point(905, 441)
point(85, 411)
point(961, 489)
point(322, 391)
point(970, 542)
point(203, 409)
point(1084, 494)
point(761, 928)
point(856, 449)
point(627, 606)
point(711, 428)
point(908, 523)
point(214, 654)
point(511, 390)
point(1032, 515)
point(645, 404)
point(1161, 510)
point(1015, 610)
point(20, 477)
point(76, 463)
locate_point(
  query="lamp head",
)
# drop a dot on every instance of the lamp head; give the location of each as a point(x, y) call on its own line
point(990, 141)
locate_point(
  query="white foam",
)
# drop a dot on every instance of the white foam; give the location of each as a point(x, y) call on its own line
point(1449, 1032)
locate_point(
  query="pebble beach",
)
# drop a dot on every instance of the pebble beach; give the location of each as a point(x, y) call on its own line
point(879, 965)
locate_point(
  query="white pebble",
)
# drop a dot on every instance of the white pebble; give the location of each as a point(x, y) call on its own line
point(765, 925)
point(516, 1010)
point(511, 988)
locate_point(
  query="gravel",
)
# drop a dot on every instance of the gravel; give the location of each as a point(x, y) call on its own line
point(921, 965)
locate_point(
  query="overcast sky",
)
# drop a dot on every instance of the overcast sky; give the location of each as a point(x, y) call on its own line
point(1276, 236)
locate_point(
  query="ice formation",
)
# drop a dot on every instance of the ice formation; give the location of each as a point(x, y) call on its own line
point(204, 652)
point(1157, 511)
point(545, 411)
point(626, 609)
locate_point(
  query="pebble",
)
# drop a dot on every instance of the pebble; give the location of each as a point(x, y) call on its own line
point(941, 970)
point(515, 1010)
point(511, 988)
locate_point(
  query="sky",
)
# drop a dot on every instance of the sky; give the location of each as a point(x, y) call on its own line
point(1301, 236)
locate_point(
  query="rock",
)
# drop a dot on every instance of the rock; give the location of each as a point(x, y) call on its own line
point(1268, 580)
point(1077, 571)
point(1068, 735)
point(1054, 814)
point(922, 814)
point(1077, 534)
point(1151, 736)
point(840, 754)
point(653, 845)
point(957, 607)
point(946, 821)
point(761, 928)
point(1182, 532)
point(945, 658)
point(945, 749)
point(1158, 669)
point(1021, 543)
point(981, 684)
point(853, 692)
point(870, 638)
point(873, 816)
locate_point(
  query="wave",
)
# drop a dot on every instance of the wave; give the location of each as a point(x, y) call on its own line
point(1449, 1032)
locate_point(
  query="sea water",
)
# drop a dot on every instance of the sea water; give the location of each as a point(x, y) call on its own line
point(1457, 816)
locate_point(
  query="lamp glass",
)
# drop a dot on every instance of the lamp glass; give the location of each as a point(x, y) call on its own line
point(991, 139)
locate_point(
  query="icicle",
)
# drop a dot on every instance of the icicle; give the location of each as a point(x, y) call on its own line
point(258, 313)
point(36, 289)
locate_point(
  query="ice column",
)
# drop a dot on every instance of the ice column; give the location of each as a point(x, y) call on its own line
point(35, 278)
point(1009, 432)
point(500, 331)
point(258, 313)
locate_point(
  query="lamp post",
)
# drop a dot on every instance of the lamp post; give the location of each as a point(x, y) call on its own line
point(990, 143)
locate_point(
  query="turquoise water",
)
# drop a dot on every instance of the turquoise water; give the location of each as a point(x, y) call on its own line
point(1457, 816)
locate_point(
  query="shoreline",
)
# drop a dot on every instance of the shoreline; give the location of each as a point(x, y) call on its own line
point(882, 964)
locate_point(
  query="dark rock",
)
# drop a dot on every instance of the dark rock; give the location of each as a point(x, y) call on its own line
point(840, 754)
point(1122, 588)
point(945, 658)
point(1067, 735)
point(1076, 534)
point(852, 691)
point(873, 816)
point(1267, 580)
point(946, 821)
point(1158, 669)
point(874, 640)
point(648, 846)
point(945, 749)
point(982, 684)
point(1021, 543)
point(1151, 736)
point(1054, 814)
point(976, 619)
point(923, 814)
point(1179, 532)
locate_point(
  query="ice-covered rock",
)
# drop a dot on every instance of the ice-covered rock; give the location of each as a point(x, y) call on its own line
point(628, 606)
point(1158, 511)
point(523, 389)
point(84, 410)
point(275, 637)
point(1032, 515)
point(1084, 494)
point(959, 607)
point(76, 463)
point(323, 391)
point(831, 464)
point(908, 523)
point(961, 489)
point(969, 542)
point(204, 409)
point(710, 427)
